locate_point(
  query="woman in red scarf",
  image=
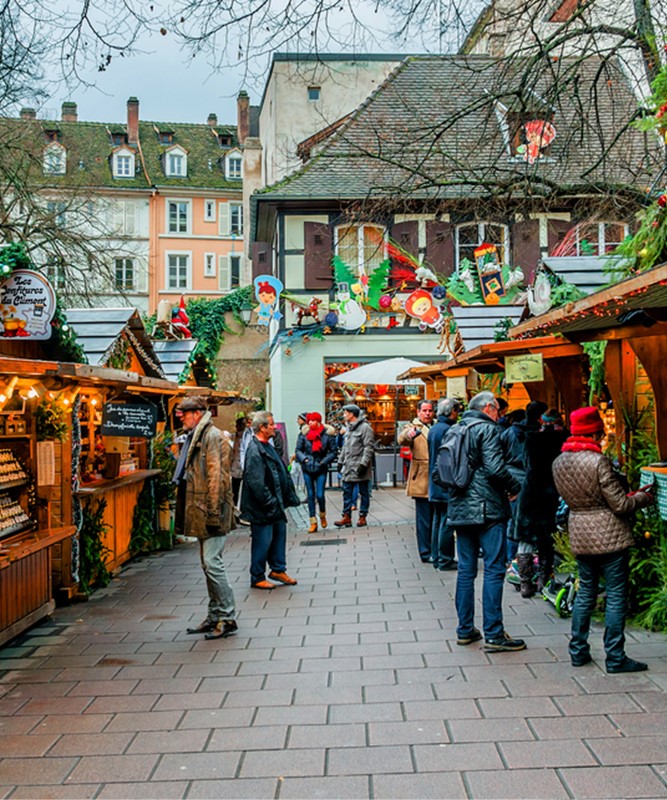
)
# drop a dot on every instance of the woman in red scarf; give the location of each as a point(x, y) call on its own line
point(600, 530)
point(315, 450)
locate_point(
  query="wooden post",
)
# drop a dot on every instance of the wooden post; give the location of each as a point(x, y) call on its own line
point(652, 352)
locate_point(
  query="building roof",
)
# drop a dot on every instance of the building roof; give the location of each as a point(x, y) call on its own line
point(435, 130)
point(98, 329)
point(477, 323)
point(175, 356)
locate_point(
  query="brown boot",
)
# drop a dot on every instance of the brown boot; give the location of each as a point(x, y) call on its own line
point(525, 564)
point(323, 519)
point(313, 525)
point(344, 522)
point(362, 521)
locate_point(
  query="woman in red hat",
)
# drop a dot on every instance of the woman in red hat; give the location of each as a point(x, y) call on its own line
point(315, 451)
point(600, 533)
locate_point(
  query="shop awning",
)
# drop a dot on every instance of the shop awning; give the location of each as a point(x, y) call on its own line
point(386, 372)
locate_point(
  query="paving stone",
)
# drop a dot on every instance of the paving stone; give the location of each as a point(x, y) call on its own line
point(453, 689)
point(326, 736)
point(263, 737)
point(282, 763)
point(267, 697)
point(441, 709)
point(297, 680)
point(155, 721)
point(369, 760)
point(102, 688)
point(32, 690)
point(252, 789)
point(554, 753)
point(401, 692)
point(53, 705)
point(374, 677)
point(520, 707)
point(172, 702)
point(29, 772)
point(454, 757)
point(520, 784)
point(291, 715)
point(432, 786)
point(588, 727)
point(12, 746)
point(217, 718)
point(366, 712)
point(79, 792)
point(632, 750)
point(604, 782)
point(489, 730)
point(595, 704)
point(114, 704)
point(91, 744)
point(165, 790)
point(409, 732)
point(353, 788)
point(17, 726)
point(199, 766)
point(329, 695)
point(112, 769)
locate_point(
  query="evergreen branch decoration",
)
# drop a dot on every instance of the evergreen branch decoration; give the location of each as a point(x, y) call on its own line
point(596, 379)
point(343, 273)
point(50, 421)
point(377, 282)
point(92, 567)
point(13, 256)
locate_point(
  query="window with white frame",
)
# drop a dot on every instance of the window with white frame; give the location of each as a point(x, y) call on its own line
point(57, 209)
point(235, 219)
point(593, 238)
point(178, 270)
point(209, 265)
point(124, 274)
point(123, 217)
point(234, 166)
point(178, 216)
point(55, 274)
point(209, 210)
point(471, 235)
point(361, 247)
point(123, 164)
point(314, 93)
point(55, 159)
point(230, 272)
point(176, 163)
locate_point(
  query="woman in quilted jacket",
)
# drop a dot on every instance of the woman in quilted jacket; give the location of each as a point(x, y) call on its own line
point(600, 535)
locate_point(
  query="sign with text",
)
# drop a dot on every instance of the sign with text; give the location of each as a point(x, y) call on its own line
point(526, 368)
point(129, 419)
point(27, 305)
point(456, 387)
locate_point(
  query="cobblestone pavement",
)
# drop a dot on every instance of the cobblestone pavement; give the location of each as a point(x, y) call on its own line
point(349, 685)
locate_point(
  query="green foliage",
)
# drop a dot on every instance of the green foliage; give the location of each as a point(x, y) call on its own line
point(644, 250)
point(562, 292)
point(51, 421)
point(658, 99)
point(163, 459)
point(501, 329)
point(377, 283)
point(120, 356)
point(596, 379)
point(342, 273)
point(652, 596)
point(92, 568)
point(63, 345)
point(13, 256)
point(458, 290)
point(562, 547)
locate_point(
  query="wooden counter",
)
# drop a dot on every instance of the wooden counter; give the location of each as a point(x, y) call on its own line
point(121, 495)
point(25, 579)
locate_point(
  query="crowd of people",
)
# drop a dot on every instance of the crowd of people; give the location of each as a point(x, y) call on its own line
point(519, 467)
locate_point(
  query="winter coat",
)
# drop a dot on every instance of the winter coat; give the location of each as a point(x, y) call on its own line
point(237, 467)
point(267, 487)
point(418, 477)
point(208, 509)
point(437, 493)
point(357, 451)
point(484, 501)
point(535, 515)
point(600, 510)
point(514, 443)
point(316, 463)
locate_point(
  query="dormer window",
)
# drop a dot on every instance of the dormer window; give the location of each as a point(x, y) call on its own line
point(55, 159)
point(165, 137)
point(119, 138)
point(528, 131)
point(176, 163)
point(52, 134)
point(123, 163)
point(224, 139)
point(234, 166)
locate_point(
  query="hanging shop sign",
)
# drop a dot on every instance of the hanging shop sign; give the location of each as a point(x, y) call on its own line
point(456, 387)
point(526, 368)
point(129, 419)
point(412, 391)
point(27, 305)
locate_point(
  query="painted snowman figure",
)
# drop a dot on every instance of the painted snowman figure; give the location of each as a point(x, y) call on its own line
point(351, 316)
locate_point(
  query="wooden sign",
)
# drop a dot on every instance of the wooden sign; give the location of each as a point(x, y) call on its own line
point(129, 419)
point(27, 305)
point(526, 368)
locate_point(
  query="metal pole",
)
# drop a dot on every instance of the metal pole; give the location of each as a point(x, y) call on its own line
point(397, 387)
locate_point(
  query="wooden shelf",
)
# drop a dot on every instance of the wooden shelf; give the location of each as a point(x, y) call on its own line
point(15, 436)
point(27, 543)
point(12, 484)
point(100, 487)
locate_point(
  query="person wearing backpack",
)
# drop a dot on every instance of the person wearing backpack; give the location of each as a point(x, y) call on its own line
point(479, 510)
point(415, 436)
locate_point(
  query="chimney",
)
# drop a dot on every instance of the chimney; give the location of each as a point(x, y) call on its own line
point(68, 112)
point(132, 120)
point(212, 120)
point(28, 113)
point(242, 116)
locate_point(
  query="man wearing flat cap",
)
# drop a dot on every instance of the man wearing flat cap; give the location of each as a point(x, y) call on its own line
point(356, 464)
point(205, 510)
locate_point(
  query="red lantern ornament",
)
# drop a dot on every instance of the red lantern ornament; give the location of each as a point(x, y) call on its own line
point(662, 200)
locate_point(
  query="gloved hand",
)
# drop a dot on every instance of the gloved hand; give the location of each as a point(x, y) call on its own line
point(361, 469)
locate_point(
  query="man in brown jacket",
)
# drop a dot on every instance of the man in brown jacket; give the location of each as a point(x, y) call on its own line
point(205, 510)
point(600, 531)
point(415, 436)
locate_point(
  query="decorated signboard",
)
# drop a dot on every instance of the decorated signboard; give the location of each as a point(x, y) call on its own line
point(526, 368)
point(129, 419)
point(267, 292)
point(27, 305)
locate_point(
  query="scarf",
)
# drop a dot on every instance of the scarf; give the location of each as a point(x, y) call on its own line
point(575, 444)
point(314, 436)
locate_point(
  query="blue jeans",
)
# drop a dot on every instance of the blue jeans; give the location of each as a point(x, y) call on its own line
point(221, 604)
point(350, 488)
point(469, 540)
point(267, 543)
point(512, 546)
point(443, 548)
point(424, 519)
point(613, 567)
point(315, 487)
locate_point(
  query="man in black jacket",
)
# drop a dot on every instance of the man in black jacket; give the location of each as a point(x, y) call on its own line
point(479, 513)
point(267, 491)
point(442, 535)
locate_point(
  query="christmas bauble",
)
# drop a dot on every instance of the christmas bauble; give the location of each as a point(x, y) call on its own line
point(384, 301)
point(331, 319)
point(439, 292)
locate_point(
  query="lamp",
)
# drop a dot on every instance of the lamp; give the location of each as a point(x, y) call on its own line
point(246, 313)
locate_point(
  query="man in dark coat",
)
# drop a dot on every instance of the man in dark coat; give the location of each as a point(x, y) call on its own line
point(205, 510)
point(479, 514)
point(356, 461)
point(442, 535)
point(267, 491)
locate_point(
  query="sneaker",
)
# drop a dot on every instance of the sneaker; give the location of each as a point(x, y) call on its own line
point(263, 585)
point(627, 665)
point(204, 627)
point(581, 661)
point(224, 628)
point(475, 636)
point(504, 644)
point(282, 577)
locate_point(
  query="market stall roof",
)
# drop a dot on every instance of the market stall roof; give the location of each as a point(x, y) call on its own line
point(476, 323)
point(175, 355)
point(380, 372)
point(636, 306)
point(98, 329)
point(587, 273)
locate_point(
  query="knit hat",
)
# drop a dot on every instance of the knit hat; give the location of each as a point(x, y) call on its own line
point(586, 421)
point(314, 416)
point(534, 410)
point(303, 415)
point(353, 409)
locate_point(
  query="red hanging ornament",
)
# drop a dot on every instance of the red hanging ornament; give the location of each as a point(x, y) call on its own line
point(662, 200)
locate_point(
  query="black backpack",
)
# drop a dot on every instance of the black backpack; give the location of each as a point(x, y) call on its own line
point(453, 462)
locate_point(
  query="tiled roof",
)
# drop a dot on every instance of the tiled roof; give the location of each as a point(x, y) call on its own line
point(89, 146)
point(433, 130)
point(174, 355)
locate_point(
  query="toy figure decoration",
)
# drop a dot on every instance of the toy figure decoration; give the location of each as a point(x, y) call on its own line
point(490, 275)
point(180, 320)
point(351, 316)
point(267, 291)
point(420, 305)
point(311, 310)
point(539, 134)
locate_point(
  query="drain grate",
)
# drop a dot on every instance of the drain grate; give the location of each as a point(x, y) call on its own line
point(313, 542)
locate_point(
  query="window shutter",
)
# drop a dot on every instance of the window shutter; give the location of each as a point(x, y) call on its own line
point(317, 255)
point(557, 229)
point(440, 246)
point(526, 247)
point(224, 274)
point(406, 236)
point(260, 253)
point(223, 219)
